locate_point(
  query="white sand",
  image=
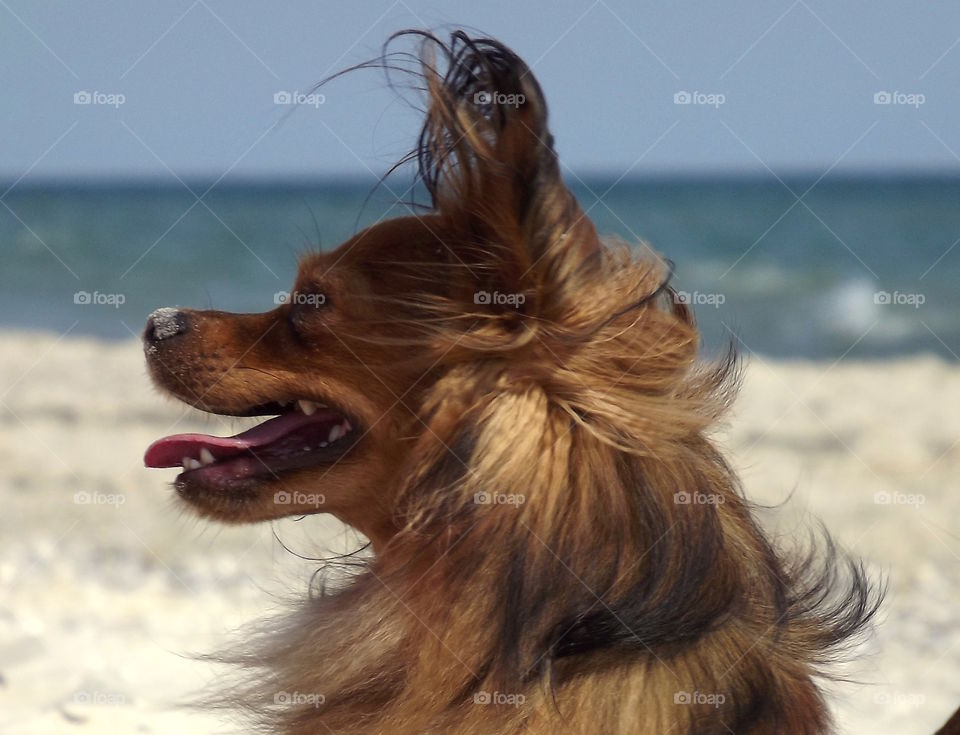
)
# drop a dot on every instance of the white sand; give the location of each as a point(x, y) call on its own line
point(101, 602)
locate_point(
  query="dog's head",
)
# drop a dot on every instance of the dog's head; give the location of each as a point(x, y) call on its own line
point(400, 352)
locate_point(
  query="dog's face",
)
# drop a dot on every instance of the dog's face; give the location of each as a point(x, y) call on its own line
point(344, 401)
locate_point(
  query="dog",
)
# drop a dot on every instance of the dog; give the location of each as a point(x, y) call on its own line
point(512, 410)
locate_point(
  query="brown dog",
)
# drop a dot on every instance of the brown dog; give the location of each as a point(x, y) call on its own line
point(512, 411)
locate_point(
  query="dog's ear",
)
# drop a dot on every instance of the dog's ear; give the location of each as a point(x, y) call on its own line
point(487, 158)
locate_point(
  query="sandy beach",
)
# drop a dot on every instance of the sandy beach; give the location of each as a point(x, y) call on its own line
point(107, 588)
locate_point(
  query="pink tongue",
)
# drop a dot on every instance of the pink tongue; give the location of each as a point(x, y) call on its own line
point(170, 451)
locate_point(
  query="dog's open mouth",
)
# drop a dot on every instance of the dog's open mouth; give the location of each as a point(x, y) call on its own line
point(305, 433)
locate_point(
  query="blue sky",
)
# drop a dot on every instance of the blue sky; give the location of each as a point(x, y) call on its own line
point(782, 86)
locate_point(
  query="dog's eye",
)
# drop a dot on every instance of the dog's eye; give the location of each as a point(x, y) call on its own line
point(304, 308)
point(307, 300)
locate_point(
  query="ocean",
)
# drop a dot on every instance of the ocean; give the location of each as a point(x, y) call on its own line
point(847, 267)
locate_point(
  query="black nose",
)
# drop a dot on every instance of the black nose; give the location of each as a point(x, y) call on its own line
point(165, 323)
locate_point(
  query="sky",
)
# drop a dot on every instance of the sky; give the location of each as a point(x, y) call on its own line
point(186, 88)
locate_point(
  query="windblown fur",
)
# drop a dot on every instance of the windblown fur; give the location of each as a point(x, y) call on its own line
point(572, 553)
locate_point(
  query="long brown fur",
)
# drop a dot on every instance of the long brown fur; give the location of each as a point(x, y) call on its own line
point(618, 581)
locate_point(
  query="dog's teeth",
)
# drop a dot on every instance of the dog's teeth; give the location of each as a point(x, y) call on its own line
point(307, 407)
point(191, 464)
point(347, 426)
point(206, 457)
point(306, 449)
point(186, 463)
point(324, 444)
point(335, 433)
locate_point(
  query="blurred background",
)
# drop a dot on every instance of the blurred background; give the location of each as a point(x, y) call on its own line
point(798, 161)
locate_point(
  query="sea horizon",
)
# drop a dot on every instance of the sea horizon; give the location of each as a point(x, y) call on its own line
point(805, 266)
